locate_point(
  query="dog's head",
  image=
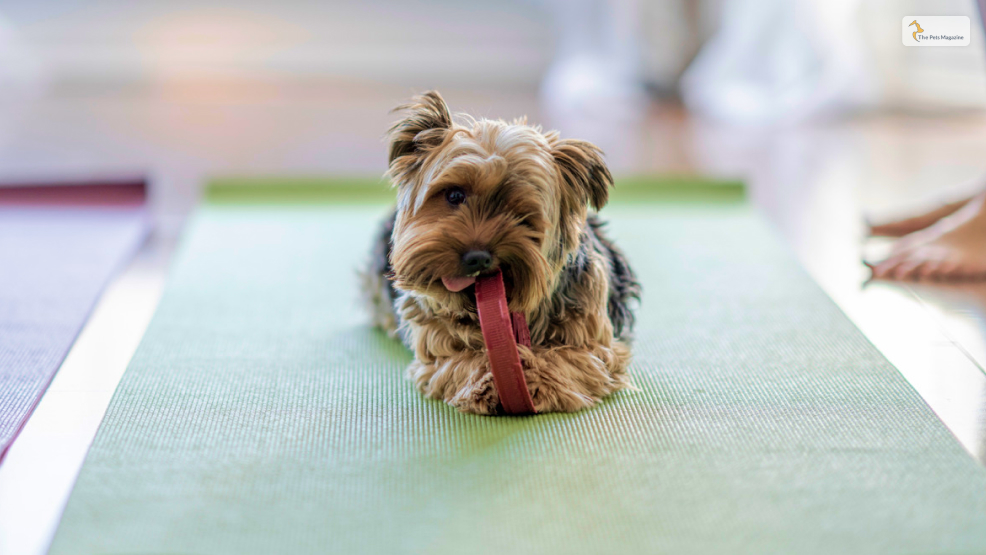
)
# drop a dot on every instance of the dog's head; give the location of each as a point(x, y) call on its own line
point(479, 195)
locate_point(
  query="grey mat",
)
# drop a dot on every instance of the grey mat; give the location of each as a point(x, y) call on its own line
point(54, 262)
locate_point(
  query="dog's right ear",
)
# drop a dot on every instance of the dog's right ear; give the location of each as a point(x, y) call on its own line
point(584, 170)
point(425, 127)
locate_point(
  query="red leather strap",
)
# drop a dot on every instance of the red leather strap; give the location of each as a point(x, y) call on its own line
point(501, 331)
point(521, 332)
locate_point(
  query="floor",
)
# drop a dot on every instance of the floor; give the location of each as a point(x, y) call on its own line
point(814, 182)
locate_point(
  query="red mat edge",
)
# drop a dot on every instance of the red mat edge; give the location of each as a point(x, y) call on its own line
point(124, 192)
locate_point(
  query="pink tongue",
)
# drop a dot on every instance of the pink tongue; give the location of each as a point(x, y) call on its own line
point(456, 284)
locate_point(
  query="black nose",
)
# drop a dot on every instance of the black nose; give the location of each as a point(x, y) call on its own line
point(476, 261)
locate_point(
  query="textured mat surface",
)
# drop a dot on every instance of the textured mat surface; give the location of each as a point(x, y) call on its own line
point(54, 263)
point(262, 415)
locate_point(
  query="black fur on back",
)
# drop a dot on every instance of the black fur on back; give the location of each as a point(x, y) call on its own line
point(380, 260)
point(623, 284)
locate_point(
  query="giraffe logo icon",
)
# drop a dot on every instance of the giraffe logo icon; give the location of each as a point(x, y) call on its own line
point(919, 30)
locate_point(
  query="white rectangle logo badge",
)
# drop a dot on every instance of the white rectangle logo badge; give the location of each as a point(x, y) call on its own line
point(935, 30)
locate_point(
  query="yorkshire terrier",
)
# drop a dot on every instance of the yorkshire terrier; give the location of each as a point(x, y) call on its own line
point(475, 196)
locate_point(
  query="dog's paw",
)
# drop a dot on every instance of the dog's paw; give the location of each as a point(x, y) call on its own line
point(560, 379)
point(477, 397)
point(568, 379)
point(421, 375)
point(464, 382)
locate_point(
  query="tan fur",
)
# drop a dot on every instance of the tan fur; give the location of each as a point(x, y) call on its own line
point(528, 198)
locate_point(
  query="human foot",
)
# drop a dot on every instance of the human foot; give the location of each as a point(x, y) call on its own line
point(954, 248)
point(900, 228)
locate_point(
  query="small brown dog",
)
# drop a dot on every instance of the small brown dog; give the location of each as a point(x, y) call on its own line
point(481, 195)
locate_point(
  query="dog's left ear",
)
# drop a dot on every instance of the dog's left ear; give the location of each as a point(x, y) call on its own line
point(584, 170)
point(425, 125)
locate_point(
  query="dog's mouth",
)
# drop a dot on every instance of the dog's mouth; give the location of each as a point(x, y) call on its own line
point(458, 284)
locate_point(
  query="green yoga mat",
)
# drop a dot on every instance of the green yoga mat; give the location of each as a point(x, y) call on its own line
point(262, 415)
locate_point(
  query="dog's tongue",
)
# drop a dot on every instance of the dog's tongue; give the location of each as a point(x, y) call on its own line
point(456, 284)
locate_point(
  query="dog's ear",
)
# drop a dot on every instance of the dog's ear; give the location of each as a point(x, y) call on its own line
point(425, 126)
point(584, 170)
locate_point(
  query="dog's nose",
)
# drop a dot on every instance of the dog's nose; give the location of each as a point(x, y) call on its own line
point(476, 261)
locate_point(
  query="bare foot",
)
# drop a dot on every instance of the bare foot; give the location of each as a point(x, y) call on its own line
point(954, 248)
point(903, 227)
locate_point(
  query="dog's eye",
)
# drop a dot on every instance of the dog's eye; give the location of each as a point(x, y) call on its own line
point(455, 196)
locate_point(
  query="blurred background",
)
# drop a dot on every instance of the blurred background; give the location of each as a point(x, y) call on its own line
point(815, 104)
point(812, 102)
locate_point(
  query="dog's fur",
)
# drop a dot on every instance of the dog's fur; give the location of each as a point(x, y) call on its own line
point(528, 195)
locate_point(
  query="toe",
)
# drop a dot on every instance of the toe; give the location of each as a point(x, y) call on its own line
point(928, 271)
point(880, 269)
point(885, 269)
point(948, 271)
point(895, 229)
point(884, 230)
point(907, 269)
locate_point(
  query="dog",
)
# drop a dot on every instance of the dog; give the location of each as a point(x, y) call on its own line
point(478, 195)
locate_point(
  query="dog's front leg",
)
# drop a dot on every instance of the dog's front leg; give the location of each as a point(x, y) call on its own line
point(560, 378)
point(462, 380)
point(566, 378)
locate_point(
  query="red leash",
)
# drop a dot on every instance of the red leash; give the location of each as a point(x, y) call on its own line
point(502, 331)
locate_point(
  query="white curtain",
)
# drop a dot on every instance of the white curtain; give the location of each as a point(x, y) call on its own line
point(774, 61)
